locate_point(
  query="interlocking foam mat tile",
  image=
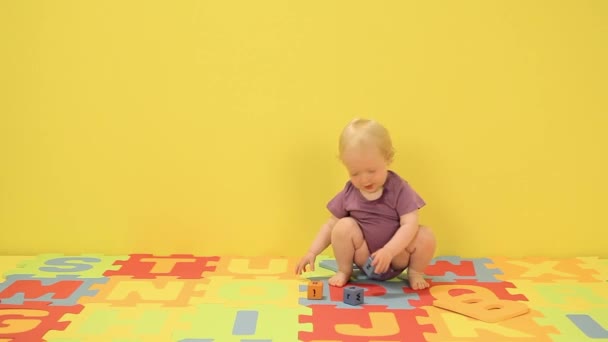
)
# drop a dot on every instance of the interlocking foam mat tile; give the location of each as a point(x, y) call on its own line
point(143, 297)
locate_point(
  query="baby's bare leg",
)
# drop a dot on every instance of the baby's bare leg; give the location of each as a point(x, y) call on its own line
point(417, 257)
point(348, 245)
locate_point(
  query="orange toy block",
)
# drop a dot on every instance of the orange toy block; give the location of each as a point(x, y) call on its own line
point(482, 304)
point(315, 290)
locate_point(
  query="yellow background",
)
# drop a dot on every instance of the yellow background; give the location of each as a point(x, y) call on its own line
point(211, 126)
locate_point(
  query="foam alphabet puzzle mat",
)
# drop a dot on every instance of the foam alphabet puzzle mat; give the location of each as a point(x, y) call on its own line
point(185, 297)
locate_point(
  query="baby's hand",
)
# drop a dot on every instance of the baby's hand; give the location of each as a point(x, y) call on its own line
point(308, 259)
point(382, 260)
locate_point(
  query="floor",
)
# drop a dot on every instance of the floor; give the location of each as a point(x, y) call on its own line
point(142, 297)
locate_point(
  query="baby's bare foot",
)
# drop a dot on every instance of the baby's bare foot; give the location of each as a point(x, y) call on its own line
point(339, 279)
point(416, 280)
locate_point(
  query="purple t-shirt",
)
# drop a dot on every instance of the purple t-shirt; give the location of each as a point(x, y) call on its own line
point(379, 219)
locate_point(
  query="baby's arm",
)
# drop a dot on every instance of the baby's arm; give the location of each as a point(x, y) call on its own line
point(323, 238)
point(321, 241)
point(405, 234)
point(398, 243)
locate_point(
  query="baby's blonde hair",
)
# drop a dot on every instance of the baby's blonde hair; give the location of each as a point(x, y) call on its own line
point(366, 132)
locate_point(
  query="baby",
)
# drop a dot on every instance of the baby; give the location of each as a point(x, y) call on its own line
point(376, 214)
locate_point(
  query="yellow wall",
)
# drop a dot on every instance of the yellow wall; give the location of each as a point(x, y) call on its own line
point(211, 126)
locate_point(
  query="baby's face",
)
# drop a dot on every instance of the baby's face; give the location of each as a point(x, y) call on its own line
point(367, 168)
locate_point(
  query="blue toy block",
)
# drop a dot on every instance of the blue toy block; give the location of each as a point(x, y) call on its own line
point(370, 270)
point(353, 295)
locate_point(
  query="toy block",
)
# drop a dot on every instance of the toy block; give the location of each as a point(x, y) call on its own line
point(353, 295)
point(369, 269)
point(315, 290)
